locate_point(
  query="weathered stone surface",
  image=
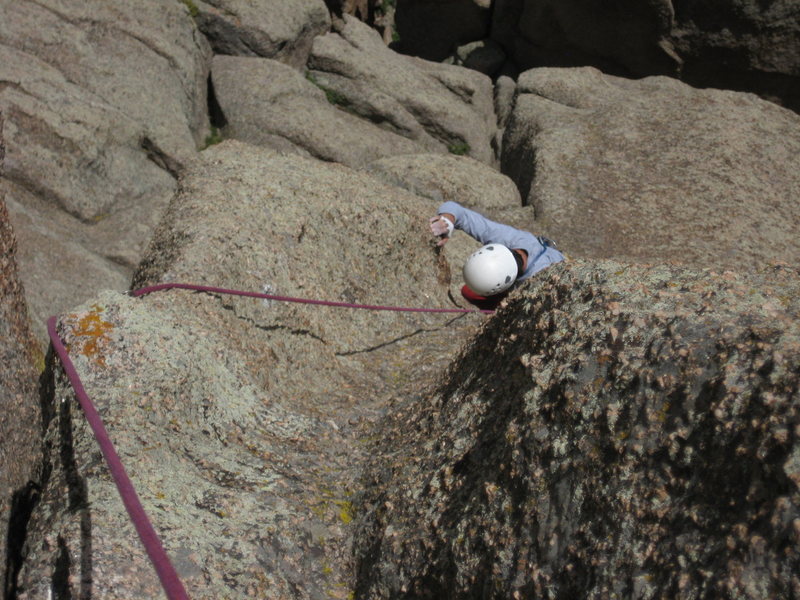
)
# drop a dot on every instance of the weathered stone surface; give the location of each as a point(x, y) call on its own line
point(270, 104)
point(438, 106)
point(270, 28)
point(63, 259)
point(655, 170)
point(20, 431)
point(103, 102)
point(243, 422)
point(615, 431)
point(443, 177)
point(433, 29)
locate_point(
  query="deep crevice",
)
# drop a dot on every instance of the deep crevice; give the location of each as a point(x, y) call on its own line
point(215, 114)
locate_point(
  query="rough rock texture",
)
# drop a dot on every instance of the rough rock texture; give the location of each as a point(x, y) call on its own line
point(443, 177)
point(655, 170)
point(266, 103)
point(438, 106)
point(19, 423)
point(433, 29)
point(243, 423)
point(615, 431)
point(102, 102)
point(270, 28)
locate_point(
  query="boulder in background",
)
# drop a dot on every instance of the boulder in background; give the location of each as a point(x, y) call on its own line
point(436, 105)
point(103, 103)
point(655, 170)
point(433, 29)
point(274, 29)
point(266, 103)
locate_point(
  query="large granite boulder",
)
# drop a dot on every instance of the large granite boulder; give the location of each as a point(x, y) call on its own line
point(267, 103)
point(270, 28)
point(103, 103)
point(438, 106)
point(443, 177)
point(20, 427)
point(243, 423)
point(614, 431)
point(655, 170)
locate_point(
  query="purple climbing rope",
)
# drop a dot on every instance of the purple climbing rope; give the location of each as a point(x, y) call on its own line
point(217, 290)
point(152, 544)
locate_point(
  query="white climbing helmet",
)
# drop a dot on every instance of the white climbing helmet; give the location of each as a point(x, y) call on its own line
point(490, 270)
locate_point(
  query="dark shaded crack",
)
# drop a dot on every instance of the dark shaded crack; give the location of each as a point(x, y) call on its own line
point(401, 338)
point(161, 158)
point(60, 581)
point(268, 328)
point(215, 113)
point(23, 502)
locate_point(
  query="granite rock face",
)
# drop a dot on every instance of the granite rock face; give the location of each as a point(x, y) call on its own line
point(438, 106)
point(243, 422)
point(20, 429)
point(654, 170)
point(274, 29)
point(443, 177)
point(266, 103)
point(103, 103)
point(614, 430)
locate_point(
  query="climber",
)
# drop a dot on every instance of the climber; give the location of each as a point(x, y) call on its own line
point(507, 257)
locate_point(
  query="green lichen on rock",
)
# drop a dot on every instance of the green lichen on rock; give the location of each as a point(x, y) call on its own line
point(193, 10)
point(458, 148)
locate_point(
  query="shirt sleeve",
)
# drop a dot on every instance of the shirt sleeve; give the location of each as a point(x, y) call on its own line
point(487, 231)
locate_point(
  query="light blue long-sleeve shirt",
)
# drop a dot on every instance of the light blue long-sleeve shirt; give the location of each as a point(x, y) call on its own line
point(487, 231)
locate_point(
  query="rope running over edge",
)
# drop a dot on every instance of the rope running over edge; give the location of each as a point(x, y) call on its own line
point(167, 575)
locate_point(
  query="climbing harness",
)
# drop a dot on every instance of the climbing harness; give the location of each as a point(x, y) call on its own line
point(167, 575)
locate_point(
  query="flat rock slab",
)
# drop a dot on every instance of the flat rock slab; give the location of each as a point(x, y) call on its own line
point(654, 170)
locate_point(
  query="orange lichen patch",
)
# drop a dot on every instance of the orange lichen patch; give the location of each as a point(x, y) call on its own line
point(90, 335)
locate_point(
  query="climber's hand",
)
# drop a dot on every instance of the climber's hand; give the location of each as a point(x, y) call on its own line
point(441, 227)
